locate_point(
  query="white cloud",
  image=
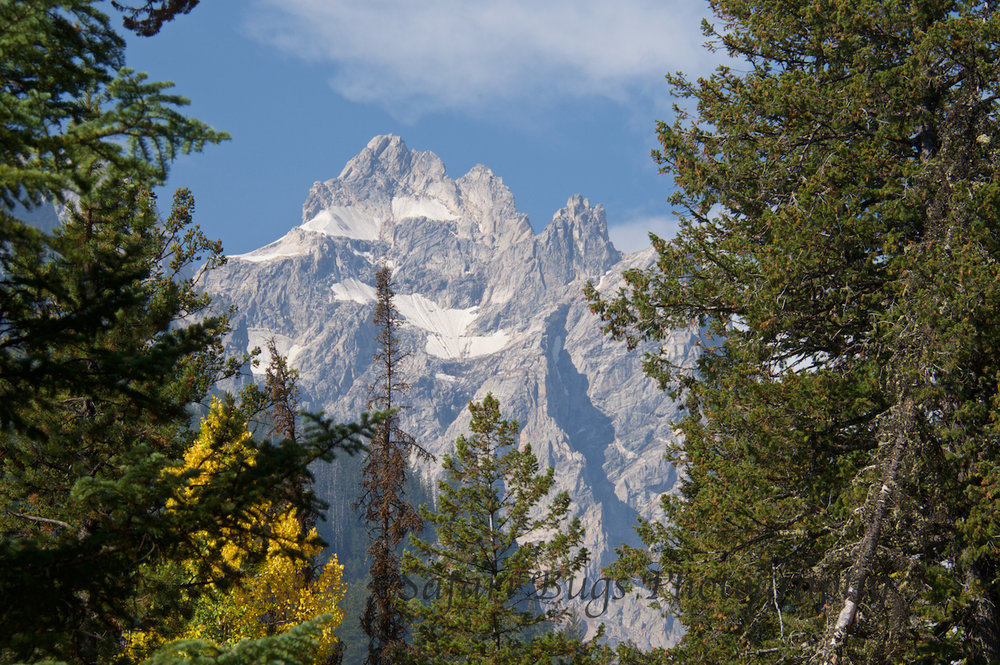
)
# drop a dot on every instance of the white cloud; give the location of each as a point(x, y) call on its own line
point(470, 55)
point(633, 235)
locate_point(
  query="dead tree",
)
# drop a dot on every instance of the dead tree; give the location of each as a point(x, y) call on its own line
point(382, 503)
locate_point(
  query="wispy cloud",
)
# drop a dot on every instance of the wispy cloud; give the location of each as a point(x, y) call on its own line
point(633, 235)
point(469, 55)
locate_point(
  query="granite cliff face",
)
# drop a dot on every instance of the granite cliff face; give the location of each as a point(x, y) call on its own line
point(489, 306)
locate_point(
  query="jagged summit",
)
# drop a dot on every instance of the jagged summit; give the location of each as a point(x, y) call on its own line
point(387, 164)
point(387, 184)
point(580, 231)
point(487, 306)
point(384, 152)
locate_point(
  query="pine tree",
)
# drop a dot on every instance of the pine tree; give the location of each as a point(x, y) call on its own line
point(839, 253)
point(98, 408)
point(74, 118)
point(389, 516)
point(495, 542)
point(104, 347)
point(295, 647)
point(73, 113)
point(149, 17)
point(85, 458)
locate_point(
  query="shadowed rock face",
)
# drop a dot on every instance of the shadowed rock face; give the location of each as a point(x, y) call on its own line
point(488, 306)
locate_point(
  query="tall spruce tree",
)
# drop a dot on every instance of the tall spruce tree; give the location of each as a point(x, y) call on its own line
point(389, 516)
point(85, 463)
point(839, 251)
point(498, 550)
point(73, 117)
point(104, 345)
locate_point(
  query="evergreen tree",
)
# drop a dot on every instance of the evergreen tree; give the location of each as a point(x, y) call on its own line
point(98, 407)
point(73, 113)
point(295, 647)
point(149, 17)
point(389, 516)
point(104, 345)
point(839, 251)
point(85, 461)
point(495, 542)
point(73, 118)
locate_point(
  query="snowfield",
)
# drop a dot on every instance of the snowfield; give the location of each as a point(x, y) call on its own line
point(447, 327)
point(344, 222)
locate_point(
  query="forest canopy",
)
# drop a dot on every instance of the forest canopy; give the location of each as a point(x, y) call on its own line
point(105, 347)
point(838, 250)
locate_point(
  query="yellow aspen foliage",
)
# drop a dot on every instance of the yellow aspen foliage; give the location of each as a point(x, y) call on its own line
point(277, 588)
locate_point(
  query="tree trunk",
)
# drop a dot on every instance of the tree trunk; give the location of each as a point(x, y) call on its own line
point(899, 424)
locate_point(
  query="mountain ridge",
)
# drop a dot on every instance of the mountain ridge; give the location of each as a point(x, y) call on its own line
point(487, 306)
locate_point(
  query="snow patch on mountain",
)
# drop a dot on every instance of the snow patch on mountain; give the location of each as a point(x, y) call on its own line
point(428, 315)
point(353, 290)
point(448, 328)
point(410, 207)
point(285, 247)
point(344, 221)
point(466, 346)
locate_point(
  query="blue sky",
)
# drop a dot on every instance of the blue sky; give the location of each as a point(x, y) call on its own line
point(557, 98)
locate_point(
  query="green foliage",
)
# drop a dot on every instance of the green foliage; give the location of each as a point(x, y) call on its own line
point(296, 647)
point(495, 541)
point(72, 112)
point(105, 344)
point(147, 18)
point(102, 372)
point(839, 253)
point(95, 386)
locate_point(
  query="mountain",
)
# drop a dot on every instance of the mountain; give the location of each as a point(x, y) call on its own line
point(489, 306)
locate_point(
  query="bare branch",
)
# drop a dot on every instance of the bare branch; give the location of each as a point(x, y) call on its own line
point(42, 520)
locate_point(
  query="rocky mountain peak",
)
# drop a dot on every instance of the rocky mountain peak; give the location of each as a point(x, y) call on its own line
point(387, 166)
point(580, 219)
point(381, 186)
point(385, 157)
point(487, 199)
point(487, 306)
point(577, 240)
